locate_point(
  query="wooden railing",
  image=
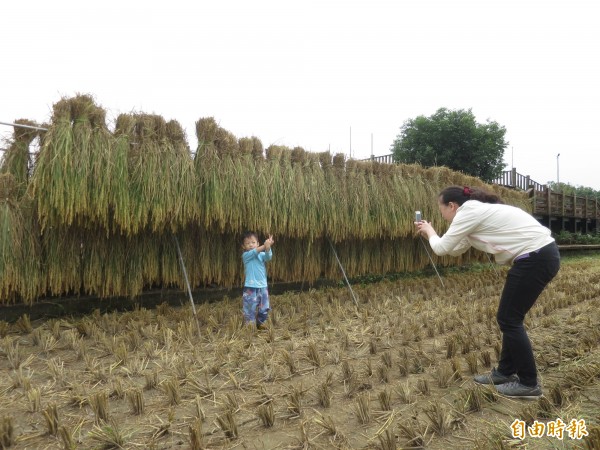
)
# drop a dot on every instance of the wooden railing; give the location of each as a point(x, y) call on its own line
point(512, 179)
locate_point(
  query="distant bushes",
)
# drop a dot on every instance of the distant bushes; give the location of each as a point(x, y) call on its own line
point(568, 238)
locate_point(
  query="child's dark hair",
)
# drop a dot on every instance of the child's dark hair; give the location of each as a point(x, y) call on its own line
point(249, 234)
point(459, 195)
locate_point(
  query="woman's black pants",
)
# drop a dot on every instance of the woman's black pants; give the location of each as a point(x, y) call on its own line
point(525, 281)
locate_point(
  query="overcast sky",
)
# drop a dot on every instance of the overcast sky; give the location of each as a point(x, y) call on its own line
point(306, 73)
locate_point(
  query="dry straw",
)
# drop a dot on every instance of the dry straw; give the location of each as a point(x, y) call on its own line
point(76, 178)
point(103, 208)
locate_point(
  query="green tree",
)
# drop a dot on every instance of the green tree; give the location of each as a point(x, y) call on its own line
point(453, 139)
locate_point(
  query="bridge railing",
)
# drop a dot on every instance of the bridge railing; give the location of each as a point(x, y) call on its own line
point(512, 179)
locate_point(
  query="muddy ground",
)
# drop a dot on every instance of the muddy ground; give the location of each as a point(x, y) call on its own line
point(394, 371)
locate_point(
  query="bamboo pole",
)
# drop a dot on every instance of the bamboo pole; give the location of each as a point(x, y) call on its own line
point(187, 283)
point(343, 272)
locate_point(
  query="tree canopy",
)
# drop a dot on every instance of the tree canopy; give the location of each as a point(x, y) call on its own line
point(453, 139)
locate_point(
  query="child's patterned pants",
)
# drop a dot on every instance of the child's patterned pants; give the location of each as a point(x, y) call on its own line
point(255, 305)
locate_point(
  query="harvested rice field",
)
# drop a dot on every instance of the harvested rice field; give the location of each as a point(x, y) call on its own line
point(393, 372)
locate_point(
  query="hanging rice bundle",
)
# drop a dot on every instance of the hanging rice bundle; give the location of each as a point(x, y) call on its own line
point(20, 268)
point(250, 195)
point(338, 225)
point(232, 179)
point(359, 201)
point(103, 263)
point(206, 166)
point(162, 181)
point(412, 191)
point(330, 195)
point(257, 149)
point(302, 217)
point(318, 196)
point(286, 217)
point(76, 179)
point(16, 160)
point(142, 260)
point(306, 265)
point(62, 247)
point(385, 206)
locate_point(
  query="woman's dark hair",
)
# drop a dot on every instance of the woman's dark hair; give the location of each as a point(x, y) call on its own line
point(459, 195)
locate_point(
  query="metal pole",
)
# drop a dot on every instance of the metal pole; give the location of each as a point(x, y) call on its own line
point(557, 177)
point(23, 126)
point(343, 272)
point(431, 259)
point(187, 283)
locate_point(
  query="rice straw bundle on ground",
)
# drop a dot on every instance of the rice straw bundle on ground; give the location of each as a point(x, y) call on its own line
point(162, 182)
point(20, 261)
point(76, 179)
point(16, 159)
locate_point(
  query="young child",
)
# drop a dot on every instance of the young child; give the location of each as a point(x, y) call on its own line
point(255, 298)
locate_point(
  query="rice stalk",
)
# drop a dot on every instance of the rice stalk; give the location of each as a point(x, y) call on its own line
point(423, 386)
point(136, 401)
point(171, 389)
point(13, 353)
point(289, 361)
point(294, 402)
point(362, 409)
point(51, 418)
point(440, 418)
point(405, 394)
point(196, 436)
point(99, 404)
point(227, 424)
point(414, 431)
point(328, 424)
point(313, 355)
point(34, 397)
point(109, 435)
point(385, 400)
point(23, 324)
point(4, 329)
point(324, 395)
point(7, 432)
point(198, 409)
point(387, 440)
point(383, 373)
point(67, 438)
point(266, 414)
point(444, 375)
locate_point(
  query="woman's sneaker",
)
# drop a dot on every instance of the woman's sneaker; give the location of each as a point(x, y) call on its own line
point(515, 389)
point(495, 377)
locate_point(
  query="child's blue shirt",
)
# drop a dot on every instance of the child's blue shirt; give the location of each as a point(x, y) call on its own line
point(255, 268)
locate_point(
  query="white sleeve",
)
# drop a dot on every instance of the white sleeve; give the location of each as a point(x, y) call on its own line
point(454, 242)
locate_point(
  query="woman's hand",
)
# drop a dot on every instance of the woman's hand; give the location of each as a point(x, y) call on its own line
point(425, 229)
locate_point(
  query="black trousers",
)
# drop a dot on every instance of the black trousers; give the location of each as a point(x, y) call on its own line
point(525, 281)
